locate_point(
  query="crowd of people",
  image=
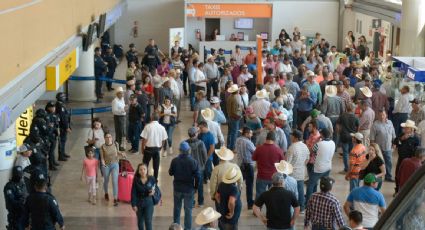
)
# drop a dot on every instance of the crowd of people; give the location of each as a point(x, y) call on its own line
point(284, 128)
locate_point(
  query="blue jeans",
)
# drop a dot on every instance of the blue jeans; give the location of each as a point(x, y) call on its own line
point(200, 188)
point(248, 175)
point(134, 130)
point(261, 186)
point(187, 199)
point(346, 149)
point(354, 183)
point(192, 95)
point(144, 216)
point(170, 129)
point(208, 168)
point(300, 188)
point(233, 132)
point(388, 156)
point(312, 183)
point(107, 171)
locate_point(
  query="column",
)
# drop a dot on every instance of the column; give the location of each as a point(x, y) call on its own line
point(7, 158)
point(83, 90)
point(412, 41)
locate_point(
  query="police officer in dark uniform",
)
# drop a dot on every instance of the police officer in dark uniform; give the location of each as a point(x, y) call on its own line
point(112, 61)
point(32, 172)
point(100, 69)
point(151, 58)
point(39, 121)
point(52, 130)
point(39, 149)
point(132, 55)
point(15, 193)
point(41, 208)
point(64, 124)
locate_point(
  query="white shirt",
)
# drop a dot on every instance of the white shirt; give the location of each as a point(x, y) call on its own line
point(200, 76)
point(154, 134)
point(403, 104)
point(285, 68)
point(118, 107)
point(174, 85)
point(261, 107)
point(22, 161)
point(244, 77)
point(215, 130)
point(325, 152)
point(298, 154)
point(99, 134)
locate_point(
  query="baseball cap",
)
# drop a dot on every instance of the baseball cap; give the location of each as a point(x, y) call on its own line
point(370, 178)
point(278, 178)
point(192, 131)
point(326, 183)
point(358, 136)
point(314, 113)
point(275, 105)
point(184, 146)
point(22, 148)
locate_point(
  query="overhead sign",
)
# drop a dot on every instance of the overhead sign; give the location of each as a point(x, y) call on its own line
point(59, 71)
point(23, 124)
point(229, 10)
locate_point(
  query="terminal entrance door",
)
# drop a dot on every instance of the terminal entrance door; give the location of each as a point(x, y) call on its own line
point(210, 25)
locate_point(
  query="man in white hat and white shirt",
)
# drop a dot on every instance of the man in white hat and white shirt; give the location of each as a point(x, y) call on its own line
point(218, 113)
point(261, 105)
point(225, 155)
point(215, 129)
point(212, 74)
point(207, 219)
point(118, 109)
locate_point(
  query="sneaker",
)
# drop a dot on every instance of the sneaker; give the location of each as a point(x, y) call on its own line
point(170, 151)
point(390, 180)
point(302, 212)
point(115, 202)
point(106, 196)
point(163, 153)
point(200, 206)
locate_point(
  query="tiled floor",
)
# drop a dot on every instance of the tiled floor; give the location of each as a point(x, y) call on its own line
point(71, 193)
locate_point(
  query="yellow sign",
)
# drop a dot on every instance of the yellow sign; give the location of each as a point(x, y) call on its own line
point(23, 124)
point(59, 71)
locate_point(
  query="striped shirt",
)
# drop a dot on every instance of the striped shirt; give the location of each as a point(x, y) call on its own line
point(323, 209)
point(244, 148)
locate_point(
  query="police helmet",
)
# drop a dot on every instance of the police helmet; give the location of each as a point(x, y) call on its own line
point(40, 180)
point(50, 104)
point(40, 113)
point(61, 96)
point(17, 173)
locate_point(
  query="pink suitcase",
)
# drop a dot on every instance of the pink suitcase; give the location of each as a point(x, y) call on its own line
point(125, 182)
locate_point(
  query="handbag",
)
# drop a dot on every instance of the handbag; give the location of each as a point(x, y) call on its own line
point(156, 196)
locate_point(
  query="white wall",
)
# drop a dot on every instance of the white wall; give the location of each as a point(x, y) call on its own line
point(154, 17)
point(192, 24)
point(309, 16)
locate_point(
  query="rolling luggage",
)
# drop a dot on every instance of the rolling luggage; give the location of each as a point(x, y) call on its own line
point(125, 166)
point(125, 182)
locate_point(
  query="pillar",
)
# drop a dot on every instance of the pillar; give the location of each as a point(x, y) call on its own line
point(7, 158)
point(83, 90)
point(412, 41)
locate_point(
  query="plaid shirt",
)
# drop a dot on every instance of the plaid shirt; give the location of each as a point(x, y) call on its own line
point(324, 209)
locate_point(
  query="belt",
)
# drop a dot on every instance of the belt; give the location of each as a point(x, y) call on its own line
point(119, 115)
point(153, 148)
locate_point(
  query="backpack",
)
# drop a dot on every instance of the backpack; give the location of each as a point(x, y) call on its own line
point(156, 196)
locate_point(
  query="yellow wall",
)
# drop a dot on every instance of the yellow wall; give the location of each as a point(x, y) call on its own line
point(29, 33)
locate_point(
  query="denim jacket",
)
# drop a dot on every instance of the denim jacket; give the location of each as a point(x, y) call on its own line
point(140, 192)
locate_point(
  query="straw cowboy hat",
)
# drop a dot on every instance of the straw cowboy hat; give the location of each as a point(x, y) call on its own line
point(284, 167)
point(262, 94)
point(358, 136)
point(366, 91)
point(232, 175)
point(225, 154)
point(208, 114)
point(409, 124)
point(351, 91)
point(233, 88)
point(206, 216)
point(119, 90)
point(209, 56)
point(331, 90)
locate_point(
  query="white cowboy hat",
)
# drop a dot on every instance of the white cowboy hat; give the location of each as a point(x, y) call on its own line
point(215, 100)
point(310, 73)
point(331, 90)
point(232, 175)
point(119, 89)
point(358, 136)
point(233, 88)
point(208, 114)
point(366, 91)
point(287, 40)
point(282, 117)
point(209, 56)
point(206, 216)
point(284, 167)
point(409, 124)
point(225, 153)
point(351, 91)
point(262, 94)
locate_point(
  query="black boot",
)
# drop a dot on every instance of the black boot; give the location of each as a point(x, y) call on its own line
point(66, 155)
point(62, 158)
point(56, 163)
point(52, 168)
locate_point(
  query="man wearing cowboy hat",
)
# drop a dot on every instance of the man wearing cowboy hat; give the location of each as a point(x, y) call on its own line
point(228, 197)
point(366, 121)
point(286, 169)
point(207, 218)
point(332, 107)
point(212, 74)
point(218, 113)
point(379, 99)
point(201, 103)
point(261, 105)
point(214, 128)
point(119, 111)
point(278, 201)
point(225, 155)
point(234, 112)
point(401, 109)
point(406, 145)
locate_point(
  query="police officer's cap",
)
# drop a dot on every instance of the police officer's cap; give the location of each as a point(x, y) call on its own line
point(50, 104)
point(40, 179)
point(40, 113)
point(60, 96)
point(132, 45)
